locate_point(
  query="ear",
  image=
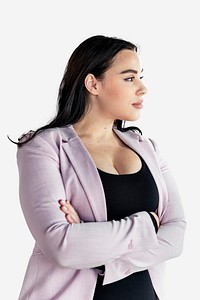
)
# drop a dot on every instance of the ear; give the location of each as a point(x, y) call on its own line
point(91, 84)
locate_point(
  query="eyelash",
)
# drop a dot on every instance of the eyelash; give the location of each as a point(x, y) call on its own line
point(127, 79)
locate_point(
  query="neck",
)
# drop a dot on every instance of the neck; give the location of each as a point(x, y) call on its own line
point(94, 128)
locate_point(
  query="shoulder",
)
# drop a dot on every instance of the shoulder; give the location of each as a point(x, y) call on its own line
point(48, 140)
point(50, 135)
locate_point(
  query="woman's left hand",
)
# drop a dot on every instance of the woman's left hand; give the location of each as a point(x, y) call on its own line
point(70, 213)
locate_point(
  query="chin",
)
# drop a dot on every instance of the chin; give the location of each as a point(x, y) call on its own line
point(132, 118)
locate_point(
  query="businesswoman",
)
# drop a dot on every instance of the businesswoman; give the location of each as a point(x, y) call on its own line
point(124, 218)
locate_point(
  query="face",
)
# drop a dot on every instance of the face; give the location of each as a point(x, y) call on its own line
point(121, 90)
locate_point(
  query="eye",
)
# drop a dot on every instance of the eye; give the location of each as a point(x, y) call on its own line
point(130, 79)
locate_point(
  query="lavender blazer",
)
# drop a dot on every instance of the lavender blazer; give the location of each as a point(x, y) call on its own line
point(56, 165)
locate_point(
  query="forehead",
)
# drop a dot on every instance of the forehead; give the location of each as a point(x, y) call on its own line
point(126, 59)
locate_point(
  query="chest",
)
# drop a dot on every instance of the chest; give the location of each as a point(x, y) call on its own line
point(116, 159)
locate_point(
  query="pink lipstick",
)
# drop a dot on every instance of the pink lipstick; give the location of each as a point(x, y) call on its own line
point(138, 104)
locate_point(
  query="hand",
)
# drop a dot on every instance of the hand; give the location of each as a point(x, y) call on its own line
point(70, 214)
point(156, 217)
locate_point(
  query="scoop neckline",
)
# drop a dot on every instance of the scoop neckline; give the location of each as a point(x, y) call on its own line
point(125, 174)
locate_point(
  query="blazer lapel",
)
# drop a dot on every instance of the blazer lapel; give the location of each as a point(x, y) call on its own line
point(86, 172)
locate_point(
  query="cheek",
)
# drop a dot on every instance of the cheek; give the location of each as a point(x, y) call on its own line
point(116, 93)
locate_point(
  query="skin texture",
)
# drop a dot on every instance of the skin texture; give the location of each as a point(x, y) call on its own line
point(119, 95)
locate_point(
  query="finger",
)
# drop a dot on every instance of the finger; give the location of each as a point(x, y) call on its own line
point(63, 206)
point(62, 202)
point(64, 209)
point(74, 217)
point(71, 220)
point(70, 207)
point(67, 208)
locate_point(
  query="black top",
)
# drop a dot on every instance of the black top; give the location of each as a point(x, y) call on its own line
point(125, 195)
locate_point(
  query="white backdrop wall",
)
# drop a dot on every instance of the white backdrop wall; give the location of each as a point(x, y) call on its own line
point(37, 38)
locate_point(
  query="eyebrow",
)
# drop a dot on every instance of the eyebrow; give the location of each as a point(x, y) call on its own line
point(130, 71)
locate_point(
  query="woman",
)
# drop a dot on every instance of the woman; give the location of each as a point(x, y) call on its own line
point(113, 179)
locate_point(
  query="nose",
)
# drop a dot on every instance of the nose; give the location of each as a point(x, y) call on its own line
point(142, 90)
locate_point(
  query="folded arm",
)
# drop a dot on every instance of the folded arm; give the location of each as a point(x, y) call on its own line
point(77, 246)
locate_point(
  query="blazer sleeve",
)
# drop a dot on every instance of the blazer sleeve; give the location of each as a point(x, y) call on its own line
point(170, 234)
point(75, 246)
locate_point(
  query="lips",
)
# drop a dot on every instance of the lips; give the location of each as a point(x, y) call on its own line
point(138, 104)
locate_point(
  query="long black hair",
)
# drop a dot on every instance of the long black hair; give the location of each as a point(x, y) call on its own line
point(94, 55)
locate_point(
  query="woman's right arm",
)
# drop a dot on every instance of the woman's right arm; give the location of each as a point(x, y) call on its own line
point(76, 246)
point(72, 216)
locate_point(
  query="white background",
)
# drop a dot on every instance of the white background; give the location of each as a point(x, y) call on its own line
point(37, 38)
